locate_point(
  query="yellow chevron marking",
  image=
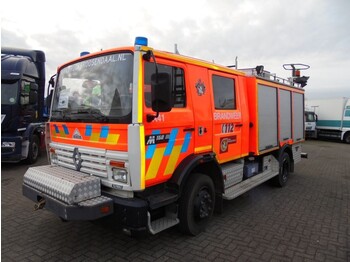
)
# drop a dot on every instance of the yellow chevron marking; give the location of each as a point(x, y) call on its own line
point(112, 139)
point(95, 137)
point(174, 156)
point(155, 163)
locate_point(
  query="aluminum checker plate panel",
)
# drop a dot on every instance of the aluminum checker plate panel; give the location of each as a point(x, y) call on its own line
point(63, 184)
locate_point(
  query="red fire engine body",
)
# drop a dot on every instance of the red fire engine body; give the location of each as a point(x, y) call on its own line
point(167, 138)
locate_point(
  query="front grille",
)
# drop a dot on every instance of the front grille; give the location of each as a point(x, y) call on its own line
point(86, 160)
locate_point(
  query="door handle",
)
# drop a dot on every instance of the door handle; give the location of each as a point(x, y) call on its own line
point(239, 125)
point(191, 129)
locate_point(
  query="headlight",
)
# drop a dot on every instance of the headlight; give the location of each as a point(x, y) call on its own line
point(120, 175)
point(8, 144)
point(53, 156)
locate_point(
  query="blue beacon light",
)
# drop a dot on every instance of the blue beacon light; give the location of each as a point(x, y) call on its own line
point(140, 40)
point(84, 53)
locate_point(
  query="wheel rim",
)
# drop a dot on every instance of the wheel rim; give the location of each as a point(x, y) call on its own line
point(203, 204)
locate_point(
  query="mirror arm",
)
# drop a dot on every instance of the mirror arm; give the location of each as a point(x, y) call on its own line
point(148, 56)
point(150, 117)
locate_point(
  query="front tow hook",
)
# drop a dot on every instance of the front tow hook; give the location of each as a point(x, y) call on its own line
point(40, 204)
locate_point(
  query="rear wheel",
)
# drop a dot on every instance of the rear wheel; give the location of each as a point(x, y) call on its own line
point(34, 150)
point(197, 204)
point(284, 170)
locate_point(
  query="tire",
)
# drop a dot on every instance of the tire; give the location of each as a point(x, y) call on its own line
point(34, 150)
point(197, 204)
point(284, 169)
point(346, 138)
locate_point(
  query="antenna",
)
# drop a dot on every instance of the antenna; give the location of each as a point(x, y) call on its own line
point(176, 50)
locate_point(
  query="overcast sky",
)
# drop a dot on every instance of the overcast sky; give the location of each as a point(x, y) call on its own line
point(259, 32)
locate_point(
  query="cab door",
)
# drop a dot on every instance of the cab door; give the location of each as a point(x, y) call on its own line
point(227, 116)
point(168, 137)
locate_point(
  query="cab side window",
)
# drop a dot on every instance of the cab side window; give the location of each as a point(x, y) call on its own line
point(347, 113)
point(177, 77)
point(224, 92)
point(25, 90)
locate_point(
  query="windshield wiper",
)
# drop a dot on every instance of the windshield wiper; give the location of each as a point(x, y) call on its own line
point(63, 114)
point(93, 112)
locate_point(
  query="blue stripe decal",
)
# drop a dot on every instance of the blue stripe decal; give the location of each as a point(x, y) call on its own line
point(104, 132)
point(88, 130)
point(186, 142)
point(65, 128)
point(171, 143)
point(152, 148)
point(57, 130)
point(332, 123)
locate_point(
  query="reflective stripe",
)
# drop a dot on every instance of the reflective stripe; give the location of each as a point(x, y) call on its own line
point(164, 151)
point(171, 143)
point(104, 131)
point(172, 160)
point(186, 142)
point(102, 134)
point(155, 163)
point(152, 148)
point(202, 148)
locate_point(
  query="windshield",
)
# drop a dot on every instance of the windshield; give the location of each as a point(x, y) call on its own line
point(98, 89)
point(310, 117)
point(9, 92)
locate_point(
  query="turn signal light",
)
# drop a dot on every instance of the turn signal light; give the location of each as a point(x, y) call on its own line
point(117, 163)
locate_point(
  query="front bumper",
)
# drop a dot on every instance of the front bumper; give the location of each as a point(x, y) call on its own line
point(73, 195)
point(11, 154)
point(90, 209)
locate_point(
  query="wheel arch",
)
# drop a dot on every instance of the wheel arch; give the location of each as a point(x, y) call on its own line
point(37, 129)
point(286, 149)
point(202, 163)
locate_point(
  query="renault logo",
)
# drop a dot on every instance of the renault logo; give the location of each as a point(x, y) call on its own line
point(77, 159)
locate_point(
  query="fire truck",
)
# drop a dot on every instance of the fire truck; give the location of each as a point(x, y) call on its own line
point(155, 139)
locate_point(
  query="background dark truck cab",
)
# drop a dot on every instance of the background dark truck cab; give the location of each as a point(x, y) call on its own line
point(22, 104)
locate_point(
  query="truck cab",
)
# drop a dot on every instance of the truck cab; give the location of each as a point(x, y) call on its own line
point(22, 104)
point(310, 123)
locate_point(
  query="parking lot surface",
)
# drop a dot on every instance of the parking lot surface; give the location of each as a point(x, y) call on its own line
point(308, 220)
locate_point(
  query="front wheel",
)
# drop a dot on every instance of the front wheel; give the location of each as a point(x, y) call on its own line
point(197, 204)
point(34, 150)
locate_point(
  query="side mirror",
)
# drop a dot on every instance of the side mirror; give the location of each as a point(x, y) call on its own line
point(34, 87)
point(33, 97)
point(52, 81)
point(162, 97)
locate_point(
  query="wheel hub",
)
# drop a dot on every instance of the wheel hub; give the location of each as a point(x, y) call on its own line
point(203, 205)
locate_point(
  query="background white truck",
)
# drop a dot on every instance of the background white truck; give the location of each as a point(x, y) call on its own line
point(333, 118)
point(310, 122)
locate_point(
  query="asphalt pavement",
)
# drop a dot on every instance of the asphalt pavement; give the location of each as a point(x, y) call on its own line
point(308, 220)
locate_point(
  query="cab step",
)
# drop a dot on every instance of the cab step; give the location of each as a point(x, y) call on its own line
point(161, 224)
